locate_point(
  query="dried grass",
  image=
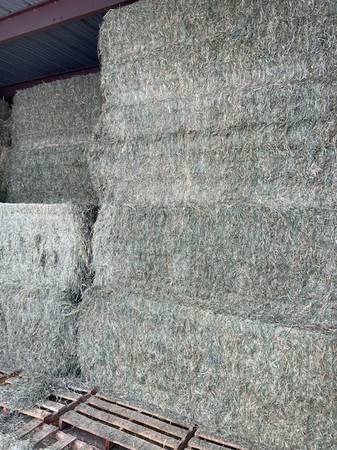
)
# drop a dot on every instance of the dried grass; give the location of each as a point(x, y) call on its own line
point(271, 384)
point(207, 101)
point(45, 245)
point(255, 261)
point(4, 146)
point(39, 330)
point(48, 162)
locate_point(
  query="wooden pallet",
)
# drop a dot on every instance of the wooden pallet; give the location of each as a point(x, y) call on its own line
point(201, 441)
point(115, 423)
point(50, 437)
point(8, 377)
point(83, 420)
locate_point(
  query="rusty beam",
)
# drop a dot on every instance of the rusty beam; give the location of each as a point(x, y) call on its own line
point(49, 14)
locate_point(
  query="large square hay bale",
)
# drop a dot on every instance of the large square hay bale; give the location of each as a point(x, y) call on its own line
point(214, 99)
point(50, 174)
point(253, 260)
point(271, 384)
point(44, 245)
point(296, 165)
point(57, 112)
point(39, 330)
point(52, 127)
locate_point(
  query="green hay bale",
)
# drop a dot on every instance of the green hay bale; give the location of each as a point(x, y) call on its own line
point(256, 261)
point(288, 103)
point(4, 110)
point(39, 330)
point(45, 245)
point(4, 146)
point(55, 174)
point(295, 165)
point(57, 112)
point(218, 100)
point(271, 384)
point(261, 29)
point(47, 160)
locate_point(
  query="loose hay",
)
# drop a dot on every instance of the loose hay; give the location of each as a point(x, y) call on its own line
point(52, 126)
point(255, 261)
point(11, 442)
point(40, 330)
point(45, 245)
point(272, 384)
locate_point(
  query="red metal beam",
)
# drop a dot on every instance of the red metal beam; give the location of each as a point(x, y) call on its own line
point(51, 13)
point(9, 91)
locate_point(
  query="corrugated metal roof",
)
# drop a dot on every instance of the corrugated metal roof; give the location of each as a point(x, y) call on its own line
point(69, 47)
point(11, 6)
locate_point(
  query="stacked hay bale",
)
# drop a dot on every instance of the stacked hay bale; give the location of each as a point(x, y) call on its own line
point(4, 145)
point(214, 251)
point(52, 125)
point(44, 264)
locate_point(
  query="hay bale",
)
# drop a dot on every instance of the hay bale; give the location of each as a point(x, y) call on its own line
point(258, 262)
point(45, 245)
point(40, 330)
point(4, 146)
point(70, 116)
point(196, 92)
point(287, 104)
point(50, 174)
point(48, 162)
point(271, 384)
point(263, 164)
point(263, 29)
point(4, 110)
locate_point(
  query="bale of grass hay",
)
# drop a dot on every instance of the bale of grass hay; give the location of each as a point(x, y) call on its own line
point(52, 126)
point(273, 385)
point(257, 261)
point(4, 146)
point(288, 166)
point(216, 99)
point(45, 245)
point(50, 174)
point(40, 330)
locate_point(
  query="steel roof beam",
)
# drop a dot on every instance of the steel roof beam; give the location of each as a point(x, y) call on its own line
point(49, 14)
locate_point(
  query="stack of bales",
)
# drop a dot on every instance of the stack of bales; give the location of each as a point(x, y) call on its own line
point(215, 248)
point(4, 145)
point(44, 264)
point(52, 126)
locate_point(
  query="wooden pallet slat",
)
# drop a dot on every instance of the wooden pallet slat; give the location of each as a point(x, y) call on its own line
point(68, 395)
point(51, 405)
point(36, 413)
point(7, 377)
point(205, 442)
point(54, 417)
point(28, 428)
point(43, 433)
point(127, 425)
point(108, 434)
point(142, 411)
point(64, 442)
point(152, 422)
